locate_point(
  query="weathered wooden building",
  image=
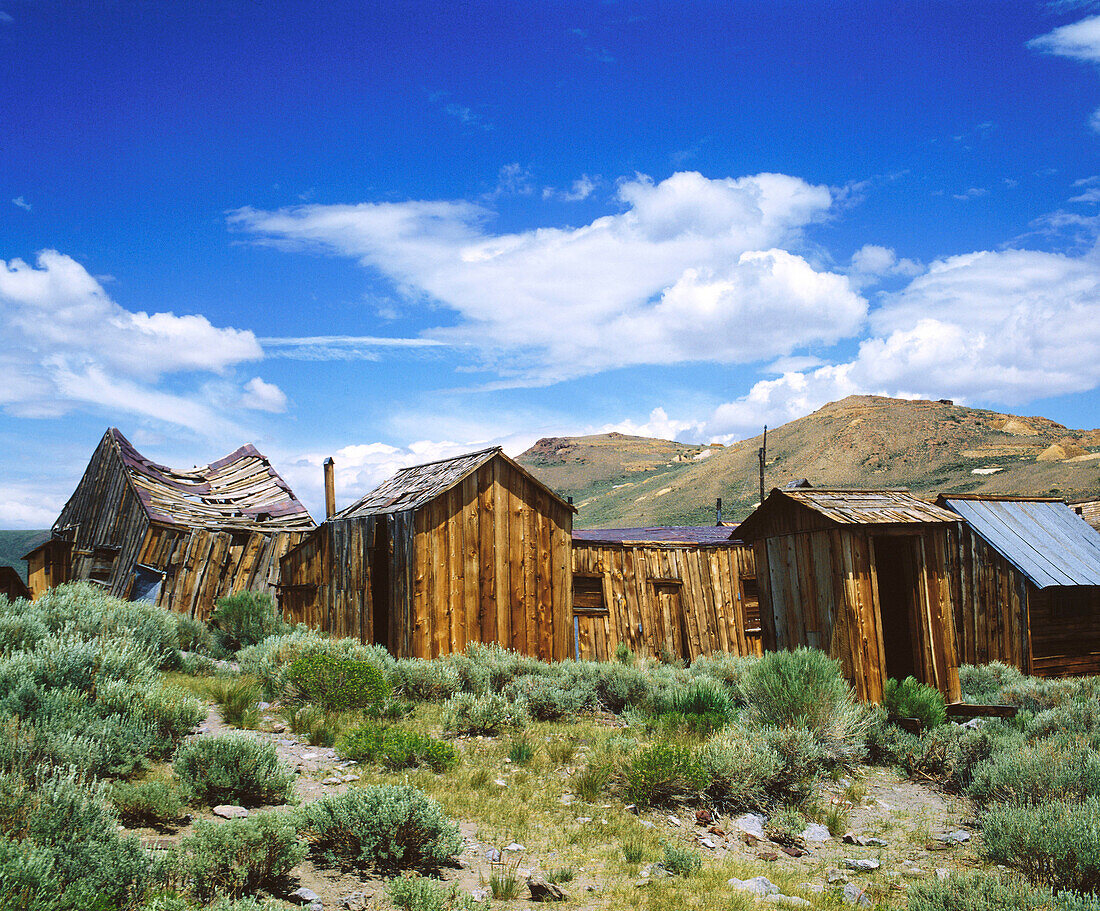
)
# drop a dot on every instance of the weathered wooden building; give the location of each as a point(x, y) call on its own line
point(181, 539)
point(1089, 510)
point(680, 591)
point(864, 575)
point(12, 585)
point(1028, 572)
point(469, 549)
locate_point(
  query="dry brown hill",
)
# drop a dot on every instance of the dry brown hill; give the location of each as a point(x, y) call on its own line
point(860, 441)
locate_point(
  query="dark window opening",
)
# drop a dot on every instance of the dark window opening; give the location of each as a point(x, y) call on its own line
point(103, 564)
point(750, 599)
point(588, 594)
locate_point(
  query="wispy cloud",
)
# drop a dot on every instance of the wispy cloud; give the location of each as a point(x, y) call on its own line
point(463, 113)
point(340, 347)
point(22, 203)
point(971, 193)
point(581, 188)
point(5, 17)
point(1078, 41)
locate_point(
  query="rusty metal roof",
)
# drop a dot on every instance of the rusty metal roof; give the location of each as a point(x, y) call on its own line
point(1044, 539)
point(708, 535)
point(418, 485)
point(868, 507)
point(241, 490)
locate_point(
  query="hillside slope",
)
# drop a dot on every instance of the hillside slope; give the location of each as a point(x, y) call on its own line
point(13, 544)
point(861, 441)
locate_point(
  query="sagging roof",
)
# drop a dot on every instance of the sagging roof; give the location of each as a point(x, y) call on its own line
point(708, 535)
point(852, 507)
point(418, 485)
point(241, 490)
point(1042, 538)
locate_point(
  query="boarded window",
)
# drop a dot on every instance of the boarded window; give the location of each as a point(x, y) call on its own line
point(588, 595)
point(103, 563)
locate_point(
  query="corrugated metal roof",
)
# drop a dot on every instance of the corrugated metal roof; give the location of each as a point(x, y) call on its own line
point(868, 507)
point(241, 491)
point(412, 487)
point(1045, 540)
point(710, 535)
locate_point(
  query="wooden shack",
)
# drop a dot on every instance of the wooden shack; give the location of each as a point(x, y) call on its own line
point(12, 585)
point(1089, 510)
point(469, 549)
point(863, 575)
point(181, 539)
point(1028, 572)
point(679, 591)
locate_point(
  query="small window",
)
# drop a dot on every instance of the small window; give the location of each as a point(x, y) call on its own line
point(103, 564)
point(588, 595)
point(750, 595)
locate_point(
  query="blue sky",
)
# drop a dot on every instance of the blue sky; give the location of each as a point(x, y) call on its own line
point(391, 232)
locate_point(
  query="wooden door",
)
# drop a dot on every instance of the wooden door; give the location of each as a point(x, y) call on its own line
point(670, 619)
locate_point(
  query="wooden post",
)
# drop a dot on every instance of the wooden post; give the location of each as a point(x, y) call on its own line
point(762, 453)
point(330, 488)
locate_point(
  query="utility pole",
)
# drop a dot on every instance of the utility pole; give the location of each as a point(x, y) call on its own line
point(762, 454)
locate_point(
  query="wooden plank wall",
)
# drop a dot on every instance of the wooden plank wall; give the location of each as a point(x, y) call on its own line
point(203, 565)
point(491, 563)
point(1065, 630)
point(717, 616)
point(104, 511)
point(819, 589)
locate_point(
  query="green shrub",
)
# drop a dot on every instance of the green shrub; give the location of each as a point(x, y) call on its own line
point(418, 893)
point(69, 846)
point(403, 749)
point(146, 803)
point(913, 699)
point(361, 744)
point(380, 827)
point(623, 654)
point(662, 772)
point(520, 750)
point(986, 891)
point(239, 856)
point(337, 684)
point(1058, 768)
point(680, 861)
point(983, 683)
point(243, 619)
point(741, 769)
point(588, 783)
point(801, 761)
point(232, 768)
point(27, 879)
point(1081, 716)
point(425, 681)
point(724, 668)
point(951, 755)
point(552, 698)
point(620, 686)
point(703, 697)
point(237, 698)
point(488, 714)
point(1056, 843)
point(192, 635)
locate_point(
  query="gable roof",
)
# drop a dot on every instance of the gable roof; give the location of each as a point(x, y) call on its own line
point(241, 490)
point(417, 485)
point(1042, 538)
point(851, 507)
point(710, 535)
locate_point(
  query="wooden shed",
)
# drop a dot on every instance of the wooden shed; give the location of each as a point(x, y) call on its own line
point(469, 549)
point(1029, 579)
point(685, 591)
point(12, 585)
point(1089, 510)
point(181, 539)
point(863, 575)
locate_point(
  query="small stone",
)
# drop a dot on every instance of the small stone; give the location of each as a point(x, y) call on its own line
point(751, 824)
point(794, 851)
point(769, 856)
point(787, 901)
point(647, 824)
point(941, 873)
point(493, 856)
point(708, 843)
point(315, 906)
point(853, 895)
point(912, 872)
point(631, 808)
point(311, 755)
point(263, 706)
point(229, 811)
point(815, 888)
point(566, 799)
point(954, 838)
point(866, 842)
point(674, 821)
point(514, 846)
point(583, 819)
point(353, 901)
point(641, 882)
point(862, 864)
point(704, 817)
point(542, 891)
point(717, 830)
point(816, 832)
point(303, 896)
point(333, 779)
point(349, 777)
point(758, 885)
point(500, 783)
point(835, 877)
point(479, 895)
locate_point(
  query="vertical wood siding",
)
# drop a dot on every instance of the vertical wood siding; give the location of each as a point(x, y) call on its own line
point(692, 597)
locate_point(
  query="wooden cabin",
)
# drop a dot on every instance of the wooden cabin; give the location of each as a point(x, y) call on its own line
point(181, 539)
point(1029, 579)
point(469, 549)
point(12, 585)
point(863, 575)
point(680, 591)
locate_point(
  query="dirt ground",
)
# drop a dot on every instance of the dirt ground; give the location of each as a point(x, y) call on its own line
point(915, 823)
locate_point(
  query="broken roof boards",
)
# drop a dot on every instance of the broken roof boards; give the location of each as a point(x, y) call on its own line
point(469, 549)
point(863, 575)
point(677, 592)
point(1029, 585)
point(181, 539)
